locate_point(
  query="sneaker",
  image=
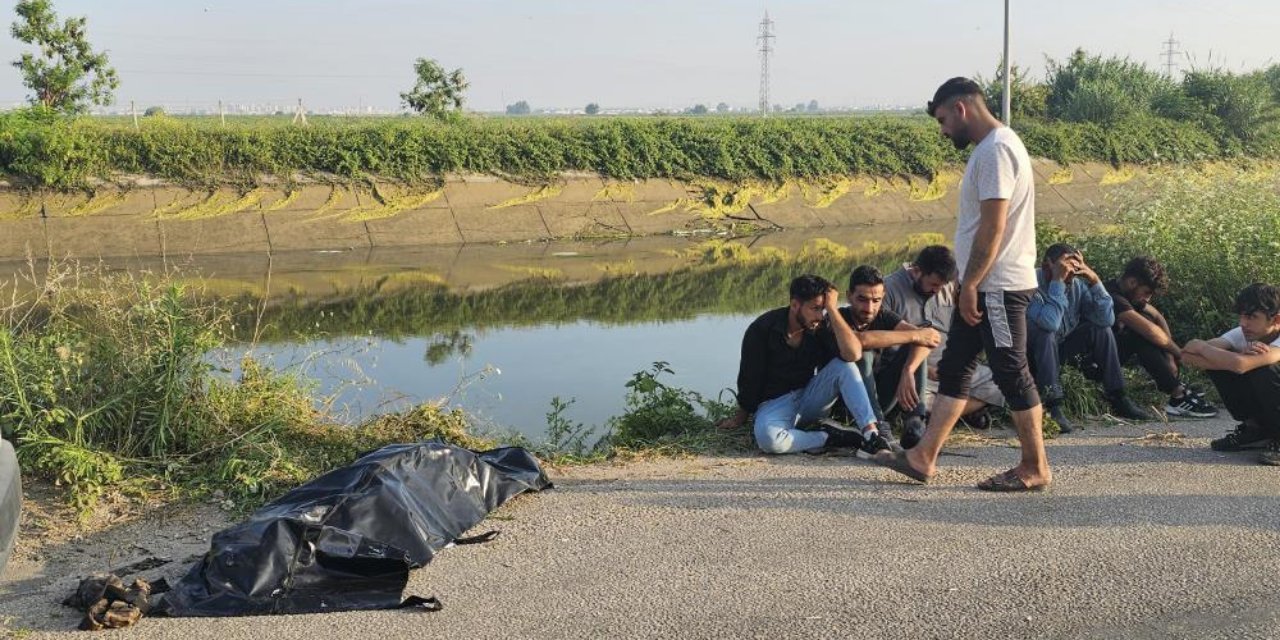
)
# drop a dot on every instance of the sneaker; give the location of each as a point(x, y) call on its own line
point(1190, 405)
point(912, 431)
point(1064, 424)
point(874, 446)
point(980, 419)
point(1123, 407)
point(1244, 437)
point(841, 436)
point(1271, 455)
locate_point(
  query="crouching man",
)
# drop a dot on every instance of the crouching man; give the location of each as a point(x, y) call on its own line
point(1244, 364)
point(796, 361)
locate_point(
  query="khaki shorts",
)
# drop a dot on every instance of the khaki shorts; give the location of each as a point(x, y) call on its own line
point(982, 386)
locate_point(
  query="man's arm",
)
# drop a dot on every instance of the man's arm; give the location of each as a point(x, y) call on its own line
point(848, 344)
point(1150, 331)
point(1047, 308)
point(907, 396)
point(903, 333)
point(982, 255)
point(1216, 355)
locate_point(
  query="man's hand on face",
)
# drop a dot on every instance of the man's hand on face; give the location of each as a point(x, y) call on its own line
point(1063, 266)
point(1085, 271)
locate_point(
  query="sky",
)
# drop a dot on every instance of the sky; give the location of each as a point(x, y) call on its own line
point(652, 54)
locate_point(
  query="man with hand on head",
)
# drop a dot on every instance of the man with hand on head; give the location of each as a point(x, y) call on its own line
point(796, 361)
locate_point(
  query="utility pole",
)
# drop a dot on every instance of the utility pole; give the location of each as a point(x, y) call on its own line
point(133, 108)
point(1006, 112)
point(1171, 52)
point(300, 115)
point(766, 48)
point(222, 115)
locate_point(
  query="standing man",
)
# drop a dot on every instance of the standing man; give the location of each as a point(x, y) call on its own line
point(897, 379)
point(796, 361)
point(996, 251)
point(923, 292)
point(1069, 322)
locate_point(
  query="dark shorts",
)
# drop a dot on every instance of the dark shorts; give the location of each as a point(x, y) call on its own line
point(1002, 334)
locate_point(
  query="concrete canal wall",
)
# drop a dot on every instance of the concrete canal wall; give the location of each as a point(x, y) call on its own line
point(148, 219)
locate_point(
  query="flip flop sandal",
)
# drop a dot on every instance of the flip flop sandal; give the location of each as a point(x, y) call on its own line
point(898, 462)
point(1008, 482)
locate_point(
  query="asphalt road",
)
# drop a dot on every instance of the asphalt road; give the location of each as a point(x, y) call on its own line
point(1142, 535)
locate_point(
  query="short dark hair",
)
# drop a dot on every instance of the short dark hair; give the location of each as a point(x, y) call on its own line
point(936, 259)
point(865, 275)
point(1258, 296)
point(1059, 249)
point(1148, 272)
point(953, 88)
point(808, 287)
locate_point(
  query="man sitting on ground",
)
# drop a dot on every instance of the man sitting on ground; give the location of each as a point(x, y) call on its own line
point(1069, 321)
point(796, 361)
point(898, 377)
point(1244, 364)
point(923, 294)
point(1142, 330)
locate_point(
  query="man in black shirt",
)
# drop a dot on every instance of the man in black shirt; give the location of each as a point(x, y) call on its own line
point(1141, 330)
point(897, 379)
point(796, 361)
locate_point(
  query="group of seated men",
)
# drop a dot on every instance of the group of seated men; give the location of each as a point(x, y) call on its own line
point(878, 355)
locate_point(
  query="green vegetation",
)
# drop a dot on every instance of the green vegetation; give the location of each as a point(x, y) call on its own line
point(66, 75)
point(435, 93)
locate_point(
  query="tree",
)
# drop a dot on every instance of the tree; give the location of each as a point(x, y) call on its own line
point(593, 109)
point(813, 106)
point(518, 109)
point(153, 111)
point(722, 108)
point(698, 109)
point(436, 93)
point(66, 75)
point(1029, 99)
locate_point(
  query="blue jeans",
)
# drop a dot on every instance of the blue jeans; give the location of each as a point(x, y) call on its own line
point(776, 419)
point(883, 387)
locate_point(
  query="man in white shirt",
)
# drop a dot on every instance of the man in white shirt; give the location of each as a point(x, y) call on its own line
point(996, 253)
point(1244, 364)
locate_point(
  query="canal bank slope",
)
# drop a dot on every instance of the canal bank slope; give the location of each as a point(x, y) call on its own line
point(148, 218)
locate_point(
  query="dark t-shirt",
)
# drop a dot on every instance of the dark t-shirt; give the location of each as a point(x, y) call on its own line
point(886, 320)
point(770, 367)
point(1120, 303)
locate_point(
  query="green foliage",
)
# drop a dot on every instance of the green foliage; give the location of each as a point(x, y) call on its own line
point(66, 75)
point(520, 108)
point(436, 93)
point(152, 112)
point(1239, 108)
point(660, 416)
point(1090, 88)
point(1214, 232)
point(592, 109)
point(1029, 99)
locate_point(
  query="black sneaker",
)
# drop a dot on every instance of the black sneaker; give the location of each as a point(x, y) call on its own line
point(1123, 407)
point(1190, 405)
point(874, 447)
point(1244, 437)
point(912, 431)
point(841, 436)
point(1271, 455)
point(1064, 424)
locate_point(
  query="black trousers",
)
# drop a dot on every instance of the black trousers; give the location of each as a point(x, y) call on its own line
point(1089, 347)
point(1157, 362)
point(1255, 395)
point(1002, 334)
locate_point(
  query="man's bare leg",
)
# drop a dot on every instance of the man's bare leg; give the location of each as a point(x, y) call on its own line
point(942, 418)
point(1034, 468)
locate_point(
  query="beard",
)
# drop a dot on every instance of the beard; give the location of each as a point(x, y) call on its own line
point(915, 286)
point(961, 140)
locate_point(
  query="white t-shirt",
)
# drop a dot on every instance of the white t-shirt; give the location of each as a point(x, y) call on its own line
point(1000, 169)
point(1236, 339)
